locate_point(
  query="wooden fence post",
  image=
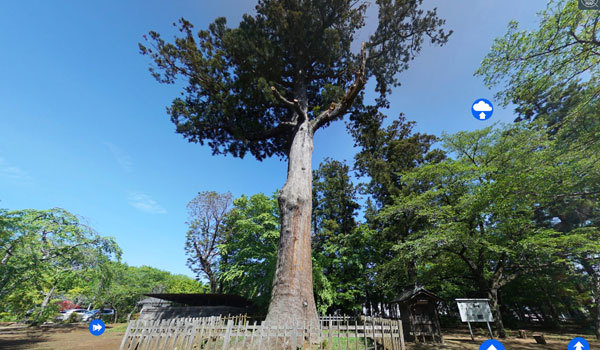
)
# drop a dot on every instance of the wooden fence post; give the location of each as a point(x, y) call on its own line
point(356, 333)
point(227, 334)
point(126, 336)
point(260, 335)
point(254, 331)
point(330, 341)
point(401, 328)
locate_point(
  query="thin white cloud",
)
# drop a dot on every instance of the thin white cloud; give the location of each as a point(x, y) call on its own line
point(14, 174)
point(482, 107)
point(120, 156)
point(145, 203)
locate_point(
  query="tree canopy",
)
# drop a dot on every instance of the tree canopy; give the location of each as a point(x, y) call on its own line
point(268, 85)
point(248, 87)
point(45, 252)
point(552, 76)
point(249, 250)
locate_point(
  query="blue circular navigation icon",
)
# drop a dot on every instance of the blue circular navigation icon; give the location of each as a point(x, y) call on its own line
point(482, 109)
point(491, 344)
point(579, 344)
point(97, 327)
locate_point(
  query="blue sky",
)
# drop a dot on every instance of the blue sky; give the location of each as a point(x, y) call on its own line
point(83, 124)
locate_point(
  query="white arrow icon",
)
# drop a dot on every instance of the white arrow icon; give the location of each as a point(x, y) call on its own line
point(492, 348)
point(482, 115)
point(578, 346)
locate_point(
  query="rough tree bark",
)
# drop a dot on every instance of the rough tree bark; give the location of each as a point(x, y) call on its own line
point(495, 306)
point(292, 297)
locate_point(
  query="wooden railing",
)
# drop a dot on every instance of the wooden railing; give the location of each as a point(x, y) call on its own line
point(237, 333)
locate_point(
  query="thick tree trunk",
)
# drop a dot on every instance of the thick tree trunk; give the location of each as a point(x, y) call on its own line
point(495, 306)
point(292, 298)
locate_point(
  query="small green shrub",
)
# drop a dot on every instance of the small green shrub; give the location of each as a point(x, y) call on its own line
point(73, 317)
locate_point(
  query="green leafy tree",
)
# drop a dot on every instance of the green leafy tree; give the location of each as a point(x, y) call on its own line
point(552, 73)
point(128, 285)
point(338, 245)
point(562, 51)
point(574, 210)
point(249, 249)
point(45, 252)
point(480, 208)
point(268, 85)
point(185, 284)
point(386, 153)
point(249, 253)
point(552, 76)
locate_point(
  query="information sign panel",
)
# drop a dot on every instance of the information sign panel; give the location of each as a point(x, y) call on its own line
point(475, 310)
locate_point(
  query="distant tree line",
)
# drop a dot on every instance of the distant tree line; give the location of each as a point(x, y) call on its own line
point(48, 256)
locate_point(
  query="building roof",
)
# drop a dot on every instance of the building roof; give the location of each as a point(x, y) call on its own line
point(153, 302)
point(414, 292)
point(200, 299)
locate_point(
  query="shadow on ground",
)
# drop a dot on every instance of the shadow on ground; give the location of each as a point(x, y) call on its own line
point(21, 342)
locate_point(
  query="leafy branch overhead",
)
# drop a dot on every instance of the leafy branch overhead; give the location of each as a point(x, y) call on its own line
point(248, 88)
point(563, 51)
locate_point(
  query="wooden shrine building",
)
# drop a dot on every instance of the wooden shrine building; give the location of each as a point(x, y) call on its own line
point(181, 305)
point(419, 313)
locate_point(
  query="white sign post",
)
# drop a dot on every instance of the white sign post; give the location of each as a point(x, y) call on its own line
point(475, 310)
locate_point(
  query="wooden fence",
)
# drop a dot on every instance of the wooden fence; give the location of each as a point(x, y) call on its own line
point(237, 333)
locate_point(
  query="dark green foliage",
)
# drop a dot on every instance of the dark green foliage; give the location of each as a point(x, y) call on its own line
point(339, 245)
point(334, 201)
point(402, 28)
point(386, 154)
point(301, 48)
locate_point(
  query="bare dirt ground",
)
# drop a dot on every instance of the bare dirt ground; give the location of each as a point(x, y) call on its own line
point(77, 337)
point(73, 337)
point(461, 340)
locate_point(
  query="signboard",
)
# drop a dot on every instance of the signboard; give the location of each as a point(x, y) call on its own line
point(474, 310)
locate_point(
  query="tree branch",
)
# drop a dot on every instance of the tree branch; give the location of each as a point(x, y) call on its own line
point(261, 136)
point(339, 109)
point(292, 105)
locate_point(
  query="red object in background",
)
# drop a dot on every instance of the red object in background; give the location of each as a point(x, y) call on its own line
point(67, 305)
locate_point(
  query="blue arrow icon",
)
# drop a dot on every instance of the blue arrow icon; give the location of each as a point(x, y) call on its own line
point(97, 327)
point(491, 344)
point(579, 344)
